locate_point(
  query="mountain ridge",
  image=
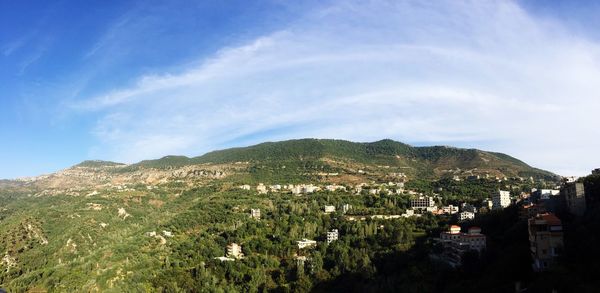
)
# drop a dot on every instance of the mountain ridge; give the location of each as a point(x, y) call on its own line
point(424, 159)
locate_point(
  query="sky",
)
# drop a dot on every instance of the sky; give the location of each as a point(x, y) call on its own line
point(132, 80)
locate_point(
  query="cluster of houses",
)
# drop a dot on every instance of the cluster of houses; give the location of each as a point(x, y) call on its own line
point(302, 189)
point(544, 227)
point(465, 211)
point(538, 208)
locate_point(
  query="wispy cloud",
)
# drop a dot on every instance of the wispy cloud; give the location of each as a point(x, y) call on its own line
point(448, 71)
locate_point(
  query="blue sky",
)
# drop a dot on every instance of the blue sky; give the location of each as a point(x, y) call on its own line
point(127, 80)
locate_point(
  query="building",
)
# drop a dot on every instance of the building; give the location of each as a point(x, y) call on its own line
point(500, 200)
point(464, 216)
point(304, 243)
point(545, 239)
point(455, 244)
point(574, 195)
point(474, 239)
point(453, 234)
point(334, 188)
point(487, 203)
point(329, 209)
point(450, 210)
point(255, 214)
point(223, 258)
point(303, 189)
point(543, 194)
point(422, 202)
point(346, 207)
point(261, 189)
point(245, 187)
point(473, 177)
point(234, 250)
point(531, 210)
point(467, 207)
point(332, 235)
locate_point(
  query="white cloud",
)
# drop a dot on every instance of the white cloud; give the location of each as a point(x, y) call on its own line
point(452, 71)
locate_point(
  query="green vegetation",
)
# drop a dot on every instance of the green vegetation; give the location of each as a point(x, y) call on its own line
point(144, 230)
point(421, 161)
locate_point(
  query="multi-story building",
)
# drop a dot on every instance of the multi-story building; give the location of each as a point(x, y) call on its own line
point(332, 235)
point(255, 214)
point(464, 216)
point(422, 202)
point(234, 250)
point(501, 199)
point(453, 234)
point(474, 239)
point(456, 244)
point(574, 195)
point(545, 239)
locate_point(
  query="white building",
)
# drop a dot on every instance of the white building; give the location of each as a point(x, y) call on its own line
point(450, 210)
point(304, 243)
point(329, 209)
point(234, 250)
point(245, 187)
point(408, 213)
point(335, 187)
point(463, 216)
point(332, 236)
point(255, 214)
point(423, 202)
point(501, 199)
point(261, 188)
point(346, 207)
point(303, 189)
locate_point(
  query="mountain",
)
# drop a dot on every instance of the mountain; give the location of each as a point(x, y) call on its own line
point(164, 225)
point(98, 164)
point(343, 155)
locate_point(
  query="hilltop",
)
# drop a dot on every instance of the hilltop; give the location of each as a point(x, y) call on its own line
point(429, 161)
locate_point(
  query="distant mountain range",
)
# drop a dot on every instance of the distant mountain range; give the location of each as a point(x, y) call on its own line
point(302, 159)
point(418, 161)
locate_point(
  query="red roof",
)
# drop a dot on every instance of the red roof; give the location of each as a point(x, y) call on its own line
point(550, 219)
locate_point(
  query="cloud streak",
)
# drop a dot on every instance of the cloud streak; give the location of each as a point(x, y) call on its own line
point(460, 72)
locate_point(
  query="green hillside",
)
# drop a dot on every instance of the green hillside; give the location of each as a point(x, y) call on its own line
point(422, 161)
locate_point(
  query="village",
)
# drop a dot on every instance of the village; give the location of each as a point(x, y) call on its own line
point(536, 207)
